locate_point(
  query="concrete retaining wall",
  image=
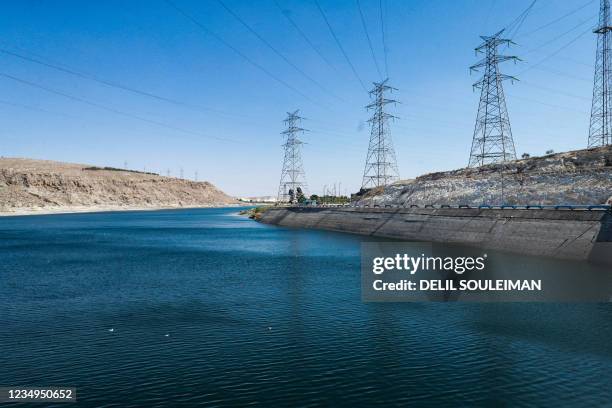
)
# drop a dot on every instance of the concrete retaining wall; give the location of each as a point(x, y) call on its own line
point(579, 235)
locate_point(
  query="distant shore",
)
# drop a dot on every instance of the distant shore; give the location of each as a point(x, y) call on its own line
point(32, 187)
point(93, 209)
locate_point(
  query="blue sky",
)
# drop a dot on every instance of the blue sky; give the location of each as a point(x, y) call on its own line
point(226, 116)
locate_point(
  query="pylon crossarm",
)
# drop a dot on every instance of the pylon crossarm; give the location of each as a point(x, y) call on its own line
point(502, 58)
point(602, 30)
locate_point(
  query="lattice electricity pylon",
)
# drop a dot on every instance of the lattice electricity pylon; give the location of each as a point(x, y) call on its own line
point(292, 175)
point(381, 164)
point(600, 132)
point(492, 141)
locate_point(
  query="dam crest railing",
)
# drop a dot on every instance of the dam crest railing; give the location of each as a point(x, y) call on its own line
point(561, 207)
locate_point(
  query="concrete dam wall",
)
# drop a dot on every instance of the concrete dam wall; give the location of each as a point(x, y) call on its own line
point(566, 234)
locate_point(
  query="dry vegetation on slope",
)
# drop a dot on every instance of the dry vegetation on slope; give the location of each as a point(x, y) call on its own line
point(576, 177)
point(46, 186)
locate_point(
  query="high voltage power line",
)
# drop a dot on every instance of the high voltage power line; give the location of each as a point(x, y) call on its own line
point(516, 24)
point(513, 27)
point(551, 105)
point(555, 38)
point(561, 73)
point(549, 56)
point(573, 60)
point(113, 110)
point(120, 86)
point(322, 131)
point(384, 41)
point(556, 20)
point(286, 14)
point(108, 83)
point(557, 91)
point(56, 113)
point(94, 78)
point(240, 53)
point(276, 51)
point(500, 119)
point(37, 109)
point(556, 53)
point(365, 30)
point(331, 30)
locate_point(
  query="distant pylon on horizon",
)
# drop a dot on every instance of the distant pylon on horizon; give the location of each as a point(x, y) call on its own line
point(293, 179)
point(381, 163)
point(600, 132)
point(492, 141)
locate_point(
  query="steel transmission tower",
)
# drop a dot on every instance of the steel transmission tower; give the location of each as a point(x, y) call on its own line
point(600, 132)
point(292, 179)
point(492, 142)
point(381, 165)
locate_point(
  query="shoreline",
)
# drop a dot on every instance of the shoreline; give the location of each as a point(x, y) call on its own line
point(21, 212)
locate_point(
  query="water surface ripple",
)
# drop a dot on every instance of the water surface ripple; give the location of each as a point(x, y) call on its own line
point(212, 309)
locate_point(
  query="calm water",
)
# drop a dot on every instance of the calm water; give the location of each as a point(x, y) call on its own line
point(263, 315)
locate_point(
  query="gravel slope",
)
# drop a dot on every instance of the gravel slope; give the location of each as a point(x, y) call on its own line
point(576, 177)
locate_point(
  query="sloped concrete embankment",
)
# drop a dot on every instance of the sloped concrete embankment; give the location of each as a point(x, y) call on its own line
point(579, 235)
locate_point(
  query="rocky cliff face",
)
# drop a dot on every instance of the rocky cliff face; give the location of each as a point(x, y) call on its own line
point(576, 177)
point(31, 185)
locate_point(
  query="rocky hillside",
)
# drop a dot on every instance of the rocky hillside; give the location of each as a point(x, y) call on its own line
point(576, 177)
point(46, 186)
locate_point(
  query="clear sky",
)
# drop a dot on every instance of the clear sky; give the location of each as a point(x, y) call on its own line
point(223, 108)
